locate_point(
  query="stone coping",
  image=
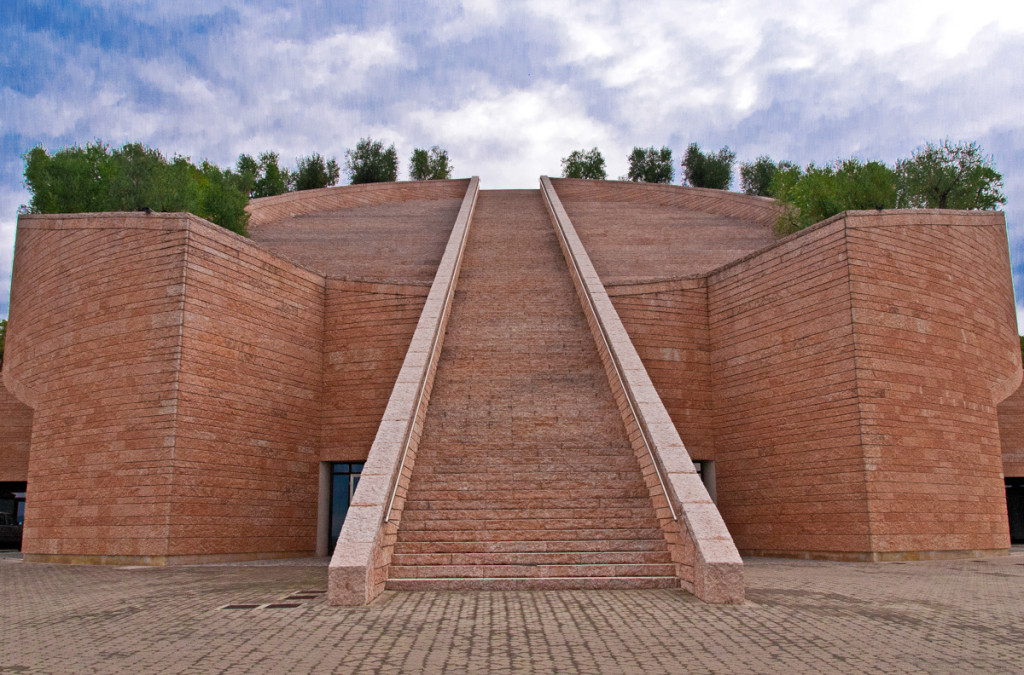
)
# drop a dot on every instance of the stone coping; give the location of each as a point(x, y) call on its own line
point(718, 569)
point(359, 548)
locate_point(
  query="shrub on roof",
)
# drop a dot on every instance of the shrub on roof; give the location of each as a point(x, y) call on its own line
point(708, 169)
point(432, 164)
point(584, 164)
point(647, 165)
point(371, 162)
point(133, 177)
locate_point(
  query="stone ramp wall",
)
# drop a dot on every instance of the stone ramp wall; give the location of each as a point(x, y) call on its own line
point(707, 561)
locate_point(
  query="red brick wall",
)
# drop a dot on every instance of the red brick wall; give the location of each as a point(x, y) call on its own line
point(175, 371)
point(93, 345)
point(668, 324)
point(937, 350)
point(15, 434)
point(366, 335)
point(856, 369)
point(789, 463)
point(1011, 433)
point(249, 393)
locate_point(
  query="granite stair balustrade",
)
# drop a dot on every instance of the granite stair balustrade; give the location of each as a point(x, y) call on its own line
point(524, 477)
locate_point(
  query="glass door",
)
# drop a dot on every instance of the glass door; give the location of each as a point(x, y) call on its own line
point(344, 479)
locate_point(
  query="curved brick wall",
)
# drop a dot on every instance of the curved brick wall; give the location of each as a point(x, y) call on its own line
point(174, 371)
point(638, 232)
point(1011, 433)
point(856, 371)
point(15, 436)
point(291, 204)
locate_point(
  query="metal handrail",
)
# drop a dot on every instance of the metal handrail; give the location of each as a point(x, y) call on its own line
point(426, 371)
point(611, 354)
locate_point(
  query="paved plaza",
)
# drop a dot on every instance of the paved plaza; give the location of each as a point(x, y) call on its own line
point(800, 616)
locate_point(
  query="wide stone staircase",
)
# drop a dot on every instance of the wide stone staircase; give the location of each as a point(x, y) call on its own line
point(524, 477)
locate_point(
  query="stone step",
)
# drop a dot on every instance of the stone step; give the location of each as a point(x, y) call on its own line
point(411, 514)
point(413, 523)
point(524, 481)
point(532, 584)
point(429, 494)
point(526, 571)
point(533, 558)
point(504, 500)
point(498, 464)
point(493, 535)
point(555, 546)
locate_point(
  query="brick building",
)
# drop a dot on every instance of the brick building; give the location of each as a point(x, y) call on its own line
point(594, 384)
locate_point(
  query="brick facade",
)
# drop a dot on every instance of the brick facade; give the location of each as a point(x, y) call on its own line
point(182, 385)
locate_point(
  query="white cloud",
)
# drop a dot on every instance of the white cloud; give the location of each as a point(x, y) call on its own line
point(509, 138)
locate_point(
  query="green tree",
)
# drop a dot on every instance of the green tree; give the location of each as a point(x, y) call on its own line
point(708, 170)
point(371, 162)
point(72, 180)
point(822, 192)
point(270, 179)
point(584, 164)
point(651, 166)
point(133, 177)
point(949, 175)
point(756, 177)
point(3, 339)
point(314, 172)
point(432, 164)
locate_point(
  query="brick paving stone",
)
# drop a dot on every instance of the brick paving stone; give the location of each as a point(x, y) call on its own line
point(800, 617)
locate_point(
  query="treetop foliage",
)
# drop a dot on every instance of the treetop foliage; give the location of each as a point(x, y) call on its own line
point(371, 162)
point(949, 175)
point(648, 165)
point(3, 339)
point(756, 177)
point(821, 192)
point(314, 172)
point(943, 175)
point(708, 170)
point(584, 164)
point(432, 164)
point(131, 178)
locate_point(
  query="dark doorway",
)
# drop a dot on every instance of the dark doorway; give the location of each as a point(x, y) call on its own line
point(12, 514)
point(344, 479)
point(1015, 509)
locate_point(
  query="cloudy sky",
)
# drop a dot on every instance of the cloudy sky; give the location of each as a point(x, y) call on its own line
point(510, 87)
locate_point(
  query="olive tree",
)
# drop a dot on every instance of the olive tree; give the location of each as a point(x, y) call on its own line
point(647, 165)
point(371, 162)
point(708, 170)
point(584, 164)
point(432, 164)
